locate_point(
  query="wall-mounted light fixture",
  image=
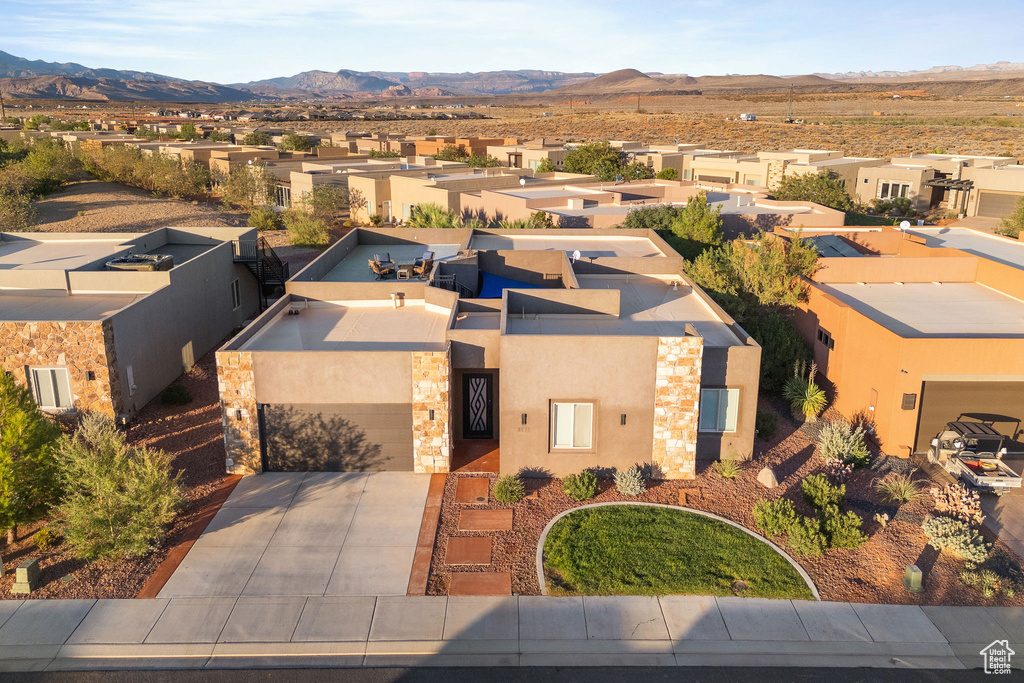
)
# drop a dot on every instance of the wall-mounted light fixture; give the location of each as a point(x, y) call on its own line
point(524, 418)
point(238, 413)
point(431, 414)
point(622, 419)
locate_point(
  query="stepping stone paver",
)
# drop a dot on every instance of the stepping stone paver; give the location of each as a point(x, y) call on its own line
point(468, 550)
point(472, 490)
point(485, 520)
point(480, 583)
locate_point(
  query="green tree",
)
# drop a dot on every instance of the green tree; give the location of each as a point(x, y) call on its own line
point(636, 170)
point(325, 202)
point(451, 153)
point(16, 212)
point(826, 189)
point(657, 218)
point(28, 476)
point(383, 154)
point(257, 138)
point(249, 186)
point(52, 164)
point(594, 158)
point(485, 161)
point(305, 230)
point(546, 165)
point(118, 500)
point(188, 131)
point(1013, 224)
point(147, 133)
point(432, 216)
point(218, 136)
point(667, 174)
point(696, 227)
point(296, 143)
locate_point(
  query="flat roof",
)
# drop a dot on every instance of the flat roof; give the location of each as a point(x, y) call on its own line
point(354, 326)
point(925, 309)
point(32, 254)
point(547, 192)
point(62, 306)
point(648, 307)
point(355, 267)
point(589, 246)
point(745, 204)
point(995, 248)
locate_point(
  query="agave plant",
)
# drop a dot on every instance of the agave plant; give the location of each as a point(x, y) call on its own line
point(805, 397)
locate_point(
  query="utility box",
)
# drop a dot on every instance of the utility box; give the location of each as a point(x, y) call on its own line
point(26, 576)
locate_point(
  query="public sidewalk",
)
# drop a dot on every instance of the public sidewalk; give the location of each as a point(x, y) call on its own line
point(287, 631)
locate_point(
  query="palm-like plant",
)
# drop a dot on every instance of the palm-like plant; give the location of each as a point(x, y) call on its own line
point(805, 397)
point(432, 216)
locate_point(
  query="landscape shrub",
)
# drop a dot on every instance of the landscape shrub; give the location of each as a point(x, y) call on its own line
point(509, 489)
point(1013, 224)
point(264, 218)
point(46, 538)
point(999, 573)
point(806, 538)
point(176, 395)
point(305, 230)
point(256, 138)
point(325, 202)
point(766, 424)
point(954, 535)
point(881, 206)
point(728, 469)
point(956, 501)
point(838, 470)
point(28, 475)
point(843, 530)
point(773, 330)
point(667, 174)
point(805, 397)
point(839, 440)
point(296, 143)
point(820, 493)
point(376, 219)
point(218, 136)
point(118, 500)
point(432, 216)
point(383, 154)
point(248, 186)
point(826, 189)
point(775, 517)
point(898, 488)
point(903, 206)
point(630, 482)
point(16, 212)
point(582, 486)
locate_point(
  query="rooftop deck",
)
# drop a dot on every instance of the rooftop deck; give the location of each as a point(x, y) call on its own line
point(350, 326)
point(355, 268)
point(950, 309)
point(648, 307)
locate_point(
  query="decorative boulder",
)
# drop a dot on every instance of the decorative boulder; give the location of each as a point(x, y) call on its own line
point(767, 478)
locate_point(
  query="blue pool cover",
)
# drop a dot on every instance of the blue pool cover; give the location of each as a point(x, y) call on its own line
point(491, 286)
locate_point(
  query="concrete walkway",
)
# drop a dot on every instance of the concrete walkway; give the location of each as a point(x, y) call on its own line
point(291, 631)
point(1004, 515)
point(299, 534)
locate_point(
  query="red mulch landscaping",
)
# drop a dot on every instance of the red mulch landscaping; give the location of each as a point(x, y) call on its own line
point(871, 573)
point(191, 434)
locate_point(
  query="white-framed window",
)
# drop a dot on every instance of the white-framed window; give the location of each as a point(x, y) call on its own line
point(891, 190)
point(572, 425)
point(52, 388)
point(236, 295)
point(718, 409)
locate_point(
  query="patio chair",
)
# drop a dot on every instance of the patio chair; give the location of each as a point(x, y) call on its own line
point(381, 265)
point(421, 267)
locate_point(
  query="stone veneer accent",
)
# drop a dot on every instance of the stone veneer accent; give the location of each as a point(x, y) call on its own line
point(431, 385)
point(236, 383)
point(80, 346)
point(677, 405)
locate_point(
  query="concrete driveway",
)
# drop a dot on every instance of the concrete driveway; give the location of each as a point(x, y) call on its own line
point(1004, 515)
point(317, 533)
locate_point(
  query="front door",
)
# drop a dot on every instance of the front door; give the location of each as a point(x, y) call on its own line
point(477, 411)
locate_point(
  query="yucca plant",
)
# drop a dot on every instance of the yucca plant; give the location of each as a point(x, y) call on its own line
point(805, 397)
point(898, 488)
point(728, 469)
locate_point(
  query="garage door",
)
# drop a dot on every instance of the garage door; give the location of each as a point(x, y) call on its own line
point(942, 402)
point(338, 437)
point(997, 204)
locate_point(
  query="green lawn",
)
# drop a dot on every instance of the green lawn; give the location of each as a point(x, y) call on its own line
point(643, 550)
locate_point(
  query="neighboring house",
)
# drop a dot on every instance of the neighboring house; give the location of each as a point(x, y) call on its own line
point(767, 169)
point(606, 205)
point(84, 337)
point(914, 336)
point(605, 360)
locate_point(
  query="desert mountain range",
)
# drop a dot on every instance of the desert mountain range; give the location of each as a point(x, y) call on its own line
point(21, 77)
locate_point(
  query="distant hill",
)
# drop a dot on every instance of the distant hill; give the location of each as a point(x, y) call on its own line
point(631, 81)
point(978, 72)
point(19, 67)
point(121, 89)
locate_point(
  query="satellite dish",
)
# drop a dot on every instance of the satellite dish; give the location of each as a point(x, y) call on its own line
point(576, 255)
point(522, 181)
point(905, 225)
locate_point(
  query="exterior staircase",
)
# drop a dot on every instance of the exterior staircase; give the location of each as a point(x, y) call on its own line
point(265, 265)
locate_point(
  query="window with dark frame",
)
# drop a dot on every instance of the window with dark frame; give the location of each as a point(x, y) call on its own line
point(826, 339)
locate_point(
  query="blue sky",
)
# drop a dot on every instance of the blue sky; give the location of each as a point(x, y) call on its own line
point(240, 40)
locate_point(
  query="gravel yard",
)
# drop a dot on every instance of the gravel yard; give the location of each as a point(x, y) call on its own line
point(871, 573)
point(192, 436)
point(95, 206)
